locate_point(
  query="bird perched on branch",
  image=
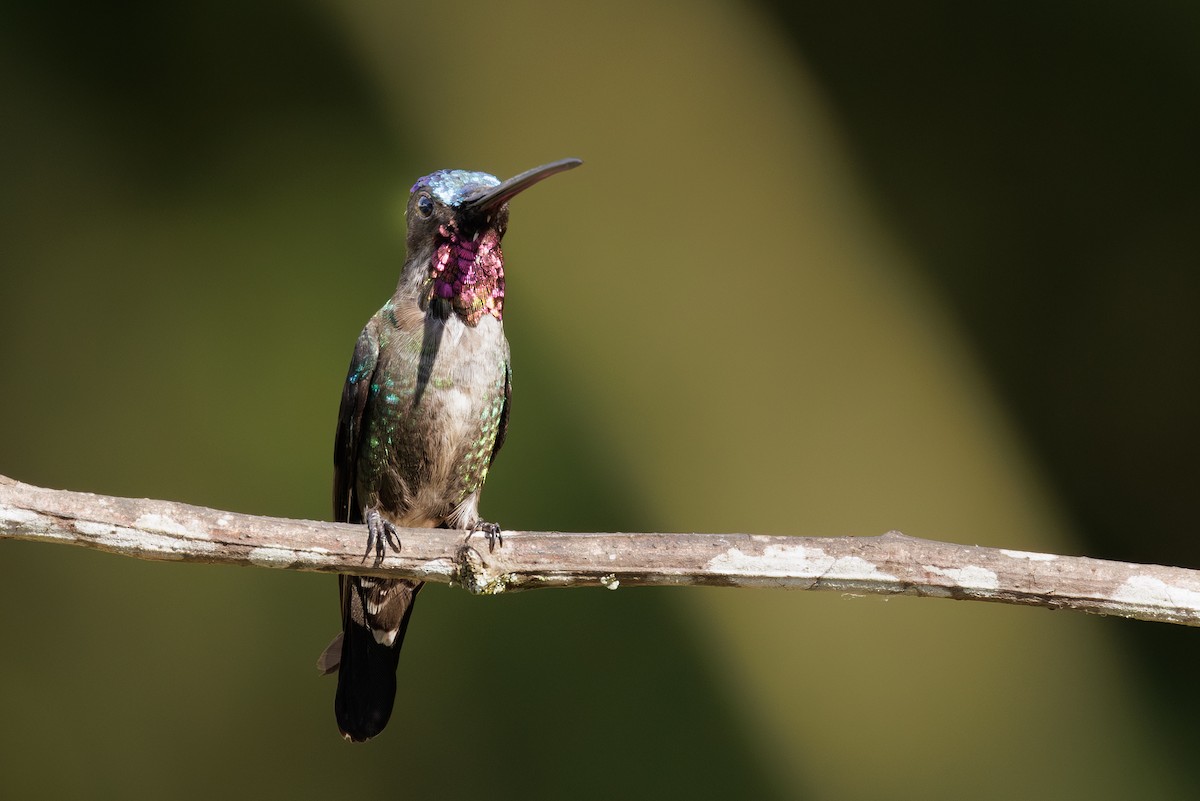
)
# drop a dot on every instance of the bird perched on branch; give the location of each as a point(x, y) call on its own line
point(424, 412)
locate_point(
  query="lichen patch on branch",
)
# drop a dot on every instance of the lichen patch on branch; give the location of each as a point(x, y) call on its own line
point(1150, 591)
point(971, 577)
point(795, 561)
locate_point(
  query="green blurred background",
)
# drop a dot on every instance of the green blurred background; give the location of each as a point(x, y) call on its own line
point(830, 268)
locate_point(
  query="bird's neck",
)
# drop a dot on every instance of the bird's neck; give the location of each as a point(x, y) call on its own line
point(458, 275)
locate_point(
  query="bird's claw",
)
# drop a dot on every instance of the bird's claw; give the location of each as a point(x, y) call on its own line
point(381, 535)
point(490, 531)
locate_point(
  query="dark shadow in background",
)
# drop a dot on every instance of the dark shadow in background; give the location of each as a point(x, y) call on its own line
point(1040, 160)
point(568, 692)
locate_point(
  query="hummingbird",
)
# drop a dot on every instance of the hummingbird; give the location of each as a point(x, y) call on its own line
point(424, 412)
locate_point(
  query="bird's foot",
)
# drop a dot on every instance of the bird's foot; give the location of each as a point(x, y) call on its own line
point(381, 535)
point(490, 531)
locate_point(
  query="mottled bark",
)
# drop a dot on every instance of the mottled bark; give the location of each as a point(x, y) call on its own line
point(890, 564)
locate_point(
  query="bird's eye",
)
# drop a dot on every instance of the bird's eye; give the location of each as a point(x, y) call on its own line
point(425, 205)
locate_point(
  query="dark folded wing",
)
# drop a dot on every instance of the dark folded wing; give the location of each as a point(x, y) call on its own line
point(349, 426)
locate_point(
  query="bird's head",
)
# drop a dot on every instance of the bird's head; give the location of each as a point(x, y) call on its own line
point(456, 219)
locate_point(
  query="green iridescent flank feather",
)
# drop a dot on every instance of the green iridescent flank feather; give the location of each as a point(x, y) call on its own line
point(476, 462)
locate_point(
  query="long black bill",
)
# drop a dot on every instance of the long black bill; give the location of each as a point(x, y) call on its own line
point(497, 196)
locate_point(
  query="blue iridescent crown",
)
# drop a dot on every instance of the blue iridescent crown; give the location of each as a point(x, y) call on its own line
point(454, 186)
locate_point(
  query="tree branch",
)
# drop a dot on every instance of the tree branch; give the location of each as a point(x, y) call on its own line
point(890, 564)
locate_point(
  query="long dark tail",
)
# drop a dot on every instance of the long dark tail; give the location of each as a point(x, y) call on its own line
point(366, 687)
